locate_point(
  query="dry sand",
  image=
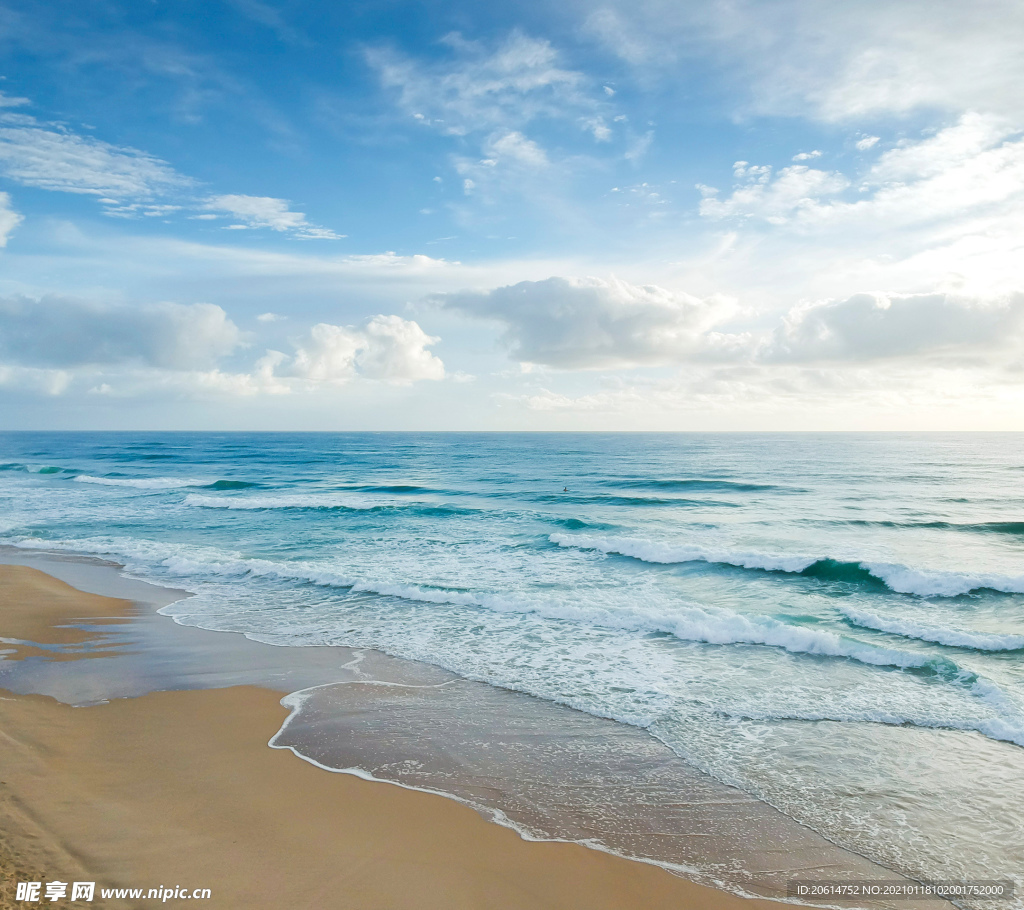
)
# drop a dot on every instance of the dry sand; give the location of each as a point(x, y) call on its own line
point(180, 789)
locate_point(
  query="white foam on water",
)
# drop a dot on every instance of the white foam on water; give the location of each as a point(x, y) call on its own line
point(954, 638)
point(688, 622)
point(314, 501)
point(685, 621)
point(141, 483)
point(898, 578)
point(667, 553)
point(927, 583)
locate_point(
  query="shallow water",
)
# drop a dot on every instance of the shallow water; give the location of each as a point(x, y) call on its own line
point(833, 624)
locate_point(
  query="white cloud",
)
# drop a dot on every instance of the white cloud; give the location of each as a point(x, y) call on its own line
point(515, 147)
point(267, 212)
point(794, 189)
point(64, 333)
point(898, 57)
point(480, 89)
point(807, 156)
point(386, 348)
point(33, 379)
point(126, 181)
point(511, 161)
point(626, 36)
point(639, 146)
point(9, 219)
point(937, 184)
point(966, 140)
point(10, 101)
point(867, 142)
point(589, 323)
point(502, 96)
point(832, 59)
point(53, 158)
point(54, 344)
point(865, 327)
point(136, 209)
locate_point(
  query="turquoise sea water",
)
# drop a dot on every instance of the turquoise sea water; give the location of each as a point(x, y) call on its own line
point(833, 623)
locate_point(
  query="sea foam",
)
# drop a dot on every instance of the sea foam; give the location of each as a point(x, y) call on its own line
point(310, 501)
point(897, 578)
point(687, 622)
point(954, 638)
point(141, 483)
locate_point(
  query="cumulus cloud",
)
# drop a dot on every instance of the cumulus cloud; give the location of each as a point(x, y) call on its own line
point(515, 147)
point(54, 344)
point(386, 348)
point(589, 323)
point(866, 327)
point(793, 190)
point(58, 332)
point(974, 166)
point(267, 212)
point(9, 219)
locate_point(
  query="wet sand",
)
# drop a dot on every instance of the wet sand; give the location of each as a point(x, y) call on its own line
point(35, 611)
point(180, 789)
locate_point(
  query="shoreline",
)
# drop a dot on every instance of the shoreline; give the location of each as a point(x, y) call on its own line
point(179, 788)
point(242, 663)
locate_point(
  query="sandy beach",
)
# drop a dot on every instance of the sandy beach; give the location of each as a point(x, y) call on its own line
point(179, 789)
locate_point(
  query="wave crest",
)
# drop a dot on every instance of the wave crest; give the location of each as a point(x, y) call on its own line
point(897, 578)
point(953, 638)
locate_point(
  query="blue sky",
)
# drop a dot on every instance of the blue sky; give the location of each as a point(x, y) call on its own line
point(643, 215)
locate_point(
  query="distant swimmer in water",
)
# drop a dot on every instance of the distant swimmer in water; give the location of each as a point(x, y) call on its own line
point(565, 489)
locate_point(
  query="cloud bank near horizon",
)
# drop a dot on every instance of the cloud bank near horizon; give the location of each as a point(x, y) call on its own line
point(648, 209)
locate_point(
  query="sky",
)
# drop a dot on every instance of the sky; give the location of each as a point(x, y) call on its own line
point(647, 215)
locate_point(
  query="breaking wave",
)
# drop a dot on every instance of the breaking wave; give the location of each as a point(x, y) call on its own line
point(953, 638)
point(897, 578)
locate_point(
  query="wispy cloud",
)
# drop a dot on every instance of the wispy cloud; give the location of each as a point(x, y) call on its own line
point(975, 164)
point(9, 218)
point(127, 182)
point(503, 96)
point(832, 60)
point(11, 101)
point(52, 157)
point(482, 89)
point(267, 212)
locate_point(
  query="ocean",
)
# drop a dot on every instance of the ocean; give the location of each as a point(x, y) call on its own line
point(832, 624)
